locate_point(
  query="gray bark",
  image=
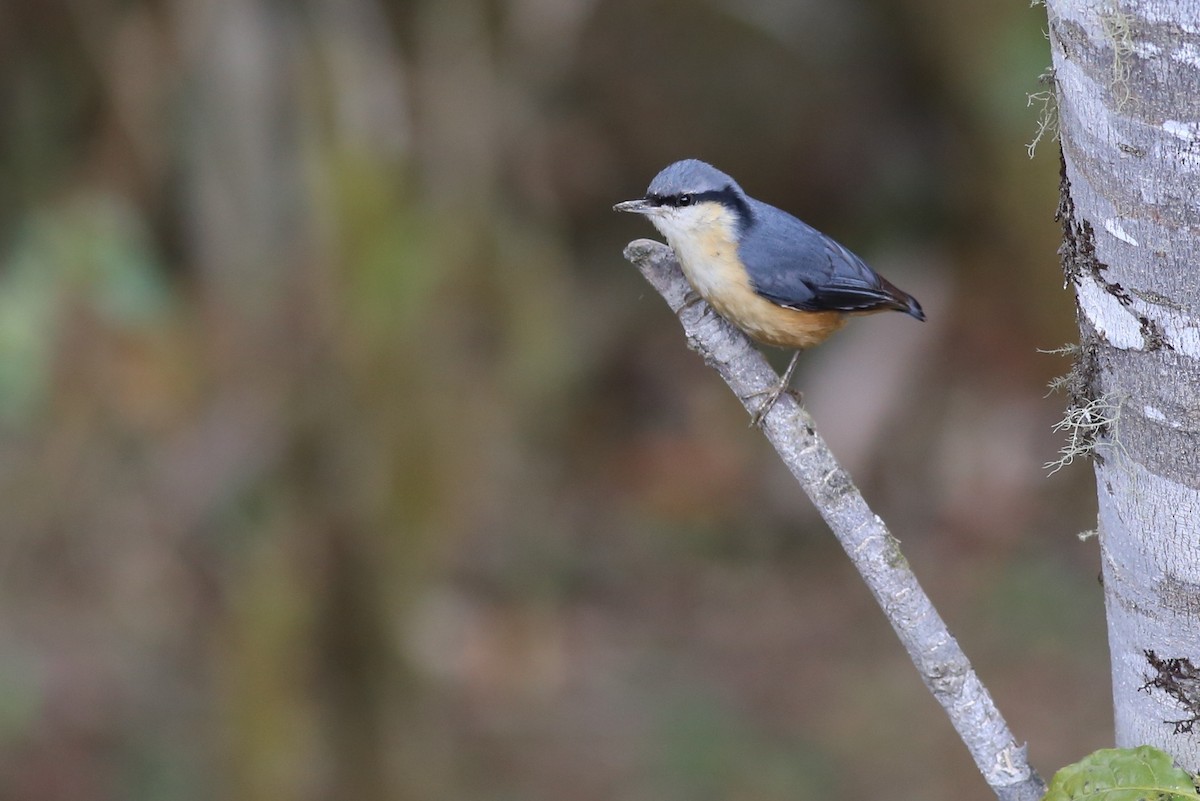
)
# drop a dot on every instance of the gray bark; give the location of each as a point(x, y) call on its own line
point(1128, 86)
point(875, 553)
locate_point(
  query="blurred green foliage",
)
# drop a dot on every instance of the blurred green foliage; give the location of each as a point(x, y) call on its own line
point(92, 257)
point(343, 457)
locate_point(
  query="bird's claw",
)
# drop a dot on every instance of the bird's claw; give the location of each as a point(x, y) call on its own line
point(689, 300)
point(776, 393)
point(773, 396)
point(757, 418)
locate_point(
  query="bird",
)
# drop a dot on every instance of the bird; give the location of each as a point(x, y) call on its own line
point(778, 279)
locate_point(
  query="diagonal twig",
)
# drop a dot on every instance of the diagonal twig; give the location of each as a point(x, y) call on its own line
point(874, 551)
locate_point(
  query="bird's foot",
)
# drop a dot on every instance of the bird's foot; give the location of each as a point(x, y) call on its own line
point(772, 397)
point(689, 300)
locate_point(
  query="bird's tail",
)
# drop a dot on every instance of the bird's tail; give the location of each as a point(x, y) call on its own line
point(901, 300)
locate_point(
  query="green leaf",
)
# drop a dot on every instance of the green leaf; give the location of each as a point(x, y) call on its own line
point(1122, 774)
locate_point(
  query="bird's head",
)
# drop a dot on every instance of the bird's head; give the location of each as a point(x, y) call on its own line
point(689, 198)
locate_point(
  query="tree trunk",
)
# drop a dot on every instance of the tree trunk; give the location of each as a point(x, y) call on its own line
point(1128, 85)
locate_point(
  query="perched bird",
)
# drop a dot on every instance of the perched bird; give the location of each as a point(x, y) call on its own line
point(781, 281)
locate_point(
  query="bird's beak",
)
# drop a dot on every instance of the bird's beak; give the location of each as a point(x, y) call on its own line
point(641, 206)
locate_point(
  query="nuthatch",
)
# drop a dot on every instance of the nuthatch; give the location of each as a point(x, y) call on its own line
point(781, 281)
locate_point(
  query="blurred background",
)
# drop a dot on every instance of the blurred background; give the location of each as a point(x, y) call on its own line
point(344, 457)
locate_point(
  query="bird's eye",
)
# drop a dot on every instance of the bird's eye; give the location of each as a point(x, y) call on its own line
point(685, 200)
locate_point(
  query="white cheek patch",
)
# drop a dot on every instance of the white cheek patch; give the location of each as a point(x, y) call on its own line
point(667, 225)
point(680, 225)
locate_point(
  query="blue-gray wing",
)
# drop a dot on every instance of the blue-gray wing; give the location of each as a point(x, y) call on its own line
point(795, 265)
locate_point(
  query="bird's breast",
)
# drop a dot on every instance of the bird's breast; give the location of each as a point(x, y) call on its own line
point(712, 266)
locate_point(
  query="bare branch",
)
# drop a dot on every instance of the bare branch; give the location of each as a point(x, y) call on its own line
point(874, 551)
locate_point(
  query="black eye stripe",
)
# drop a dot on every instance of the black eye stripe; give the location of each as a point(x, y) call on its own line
point(726, 196)
point(722, 196)
point(682, 199)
